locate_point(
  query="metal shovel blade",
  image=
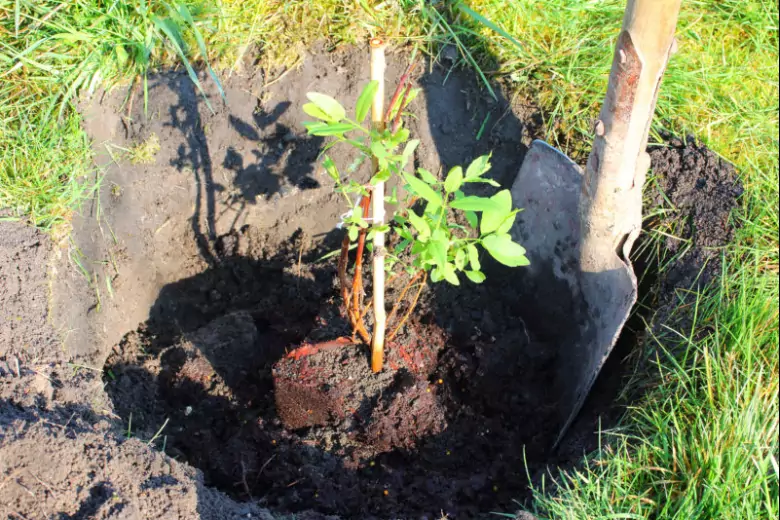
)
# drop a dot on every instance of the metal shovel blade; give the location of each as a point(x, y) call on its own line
point(581, 313)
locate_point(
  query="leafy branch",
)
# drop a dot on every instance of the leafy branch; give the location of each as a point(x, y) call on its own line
point(431, 243)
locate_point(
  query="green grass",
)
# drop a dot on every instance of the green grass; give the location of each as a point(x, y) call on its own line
point(703, 440)
point(43, 173)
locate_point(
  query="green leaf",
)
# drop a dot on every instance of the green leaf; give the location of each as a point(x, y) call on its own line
point(393, 197)
point(506, 251)
point(432, 208)
point(450, 275)
point(493, 218)
point(401, 246)
point(378, 149)
point(460, 259)
point(313, 125)
point(427, 176)
point(437, 247)
point(478, 167)
point(420, 225)
point(507, 224)
point(421, 189)
point(474, 257)
point(353, 232)
point(454, 180)
point(381, 176)
point(436, 275)
point(472, 219)
point(409, 149)
point(331, 129)
point(331, 168)
point(405, 234)
point(328, 105)
point(315, 111)
point(485, 181)
point(475, 276)
point(400, 136)
point(412, 95)
point(364, 101)
point(473, 203)
point(121, 55)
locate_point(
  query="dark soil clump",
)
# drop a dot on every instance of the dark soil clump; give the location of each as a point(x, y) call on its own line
point(703, 190)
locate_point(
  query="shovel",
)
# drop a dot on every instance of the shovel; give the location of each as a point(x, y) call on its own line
point(578, 227)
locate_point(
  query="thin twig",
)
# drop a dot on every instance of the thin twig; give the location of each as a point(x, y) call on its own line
point(411, 307)
point(156, 435)
point(283, 74)
point(371, 303)
point(43, 20)
point(300, 257)
point(262, 468)
point(243, 480)
point(131, 97)
point(400, 299)
point(343, 259)
point(44, 484)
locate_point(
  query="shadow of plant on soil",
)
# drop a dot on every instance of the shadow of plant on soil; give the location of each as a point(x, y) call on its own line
point(283, 145)
point(278, 147)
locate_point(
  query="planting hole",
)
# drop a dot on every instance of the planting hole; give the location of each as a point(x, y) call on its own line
point(215, 248)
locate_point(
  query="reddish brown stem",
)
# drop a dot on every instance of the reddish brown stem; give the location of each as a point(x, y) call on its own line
point(397, 120)
point(355, 320)
point(307, 349)
point(357, 281)
point(399, 89)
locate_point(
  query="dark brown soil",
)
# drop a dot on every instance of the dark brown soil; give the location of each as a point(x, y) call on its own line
point(25, 254)
point(447, 422)
point(702, 190)
point(213, 249)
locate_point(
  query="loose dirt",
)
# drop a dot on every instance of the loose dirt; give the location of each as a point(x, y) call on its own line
point(696, 182)
point(213, 248)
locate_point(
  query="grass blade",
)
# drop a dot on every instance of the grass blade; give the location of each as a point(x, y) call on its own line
point(169, 28)
point(185, 13)
point(17, 17)
point(487, 23)
point(466, 53)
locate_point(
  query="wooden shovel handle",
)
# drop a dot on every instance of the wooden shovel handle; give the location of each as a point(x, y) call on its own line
point(611, 202)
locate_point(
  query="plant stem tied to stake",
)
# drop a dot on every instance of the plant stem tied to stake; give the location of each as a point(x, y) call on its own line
point(431, 246)
point(378, 211)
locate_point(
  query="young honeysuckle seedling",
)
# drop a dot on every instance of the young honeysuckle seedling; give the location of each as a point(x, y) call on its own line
point(430, 242)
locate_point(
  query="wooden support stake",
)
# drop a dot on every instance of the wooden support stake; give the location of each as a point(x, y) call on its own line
point(378, 211)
